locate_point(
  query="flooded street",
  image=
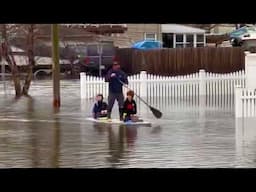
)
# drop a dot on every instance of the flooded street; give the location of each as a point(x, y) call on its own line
point(32, 134)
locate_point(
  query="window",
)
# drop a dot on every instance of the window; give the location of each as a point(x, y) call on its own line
point(189, 40)
point(200, 40)
point(167, 40)
point(150, 36)
point(179, 40)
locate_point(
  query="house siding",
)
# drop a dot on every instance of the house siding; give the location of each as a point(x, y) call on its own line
point(137, 31)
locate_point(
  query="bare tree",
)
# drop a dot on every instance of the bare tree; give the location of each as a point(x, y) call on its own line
point(11, 31)
point(31, 59)
point(6, 53)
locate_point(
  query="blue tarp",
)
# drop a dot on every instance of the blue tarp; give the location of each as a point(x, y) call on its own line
point(147, 44)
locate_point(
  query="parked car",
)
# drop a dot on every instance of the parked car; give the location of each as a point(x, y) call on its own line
point(94, 58)
point(244, 37)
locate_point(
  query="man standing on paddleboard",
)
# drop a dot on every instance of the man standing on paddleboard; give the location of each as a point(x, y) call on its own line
point(116, 78)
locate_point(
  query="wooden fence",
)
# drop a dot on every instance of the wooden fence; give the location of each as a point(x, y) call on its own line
point(182, 61)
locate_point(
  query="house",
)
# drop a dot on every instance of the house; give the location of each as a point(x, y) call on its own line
point(175, 36)
point(136, 32)
point(125, 35)
point(172, 35)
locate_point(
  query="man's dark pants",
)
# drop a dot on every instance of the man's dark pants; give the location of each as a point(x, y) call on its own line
point(111, 100)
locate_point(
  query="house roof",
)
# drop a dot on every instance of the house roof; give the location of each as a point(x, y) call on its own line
point(176, 28)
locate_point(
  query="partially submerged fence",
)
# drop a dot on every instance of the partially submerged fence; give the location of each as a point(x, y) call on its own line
point(245, 95)
point(245, 101)
point(149, 86)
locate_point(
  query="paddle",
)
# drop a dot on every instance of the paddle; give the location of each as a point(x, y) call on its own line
point(156, 112)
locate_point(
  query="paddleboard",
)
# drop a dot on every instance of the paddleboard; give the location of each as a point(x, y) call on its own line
point(117, 121)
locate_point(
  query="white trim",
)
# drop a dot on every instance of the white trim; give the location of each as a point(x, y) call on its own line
point(186, 43)
point(194, 39)
point(174, 40)
point(184, 40)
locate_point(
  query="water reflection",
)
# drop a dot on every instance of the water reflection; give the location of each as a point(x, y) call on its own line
point(131, 135)
point(100, 128)
point(116, 145)
point(156, 129)
point(45, 139)
point(246, 142)
point(56, 140)
point(121, 141)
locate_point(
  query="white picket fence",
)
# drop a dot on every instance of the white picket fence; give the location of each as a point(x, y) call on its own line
point(149, 86)
point(245, 96)
point(245, 101)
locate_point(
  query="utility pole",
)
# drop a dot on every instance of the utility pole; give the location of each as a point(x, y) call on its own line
point(55, 66)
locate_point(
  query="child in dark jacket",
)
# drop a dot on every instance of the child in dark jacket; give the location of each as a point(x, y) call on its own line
point(100, 107)
point(130, 107)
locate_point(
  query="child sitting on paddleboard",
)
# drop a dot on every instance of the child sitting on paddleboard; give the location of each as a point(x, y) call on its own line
point(99, 108)
point(130, 107)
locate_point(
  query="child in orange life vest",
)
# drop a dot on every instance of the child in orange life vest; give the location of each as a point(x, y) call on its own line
point(130, 107)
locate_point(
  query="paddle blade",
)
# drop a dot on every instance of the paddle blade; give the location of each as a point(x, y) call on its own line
point(158, 114)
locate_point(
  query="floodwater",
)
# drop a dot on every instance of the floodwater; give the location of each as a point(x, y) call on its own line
point(190, 133)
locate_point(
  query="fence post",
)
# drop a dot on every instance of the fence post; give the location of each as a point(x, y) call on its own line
point(202, 82)
point(238, 101)
point(250, 70)
point(143, 84)
point(82, 85)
